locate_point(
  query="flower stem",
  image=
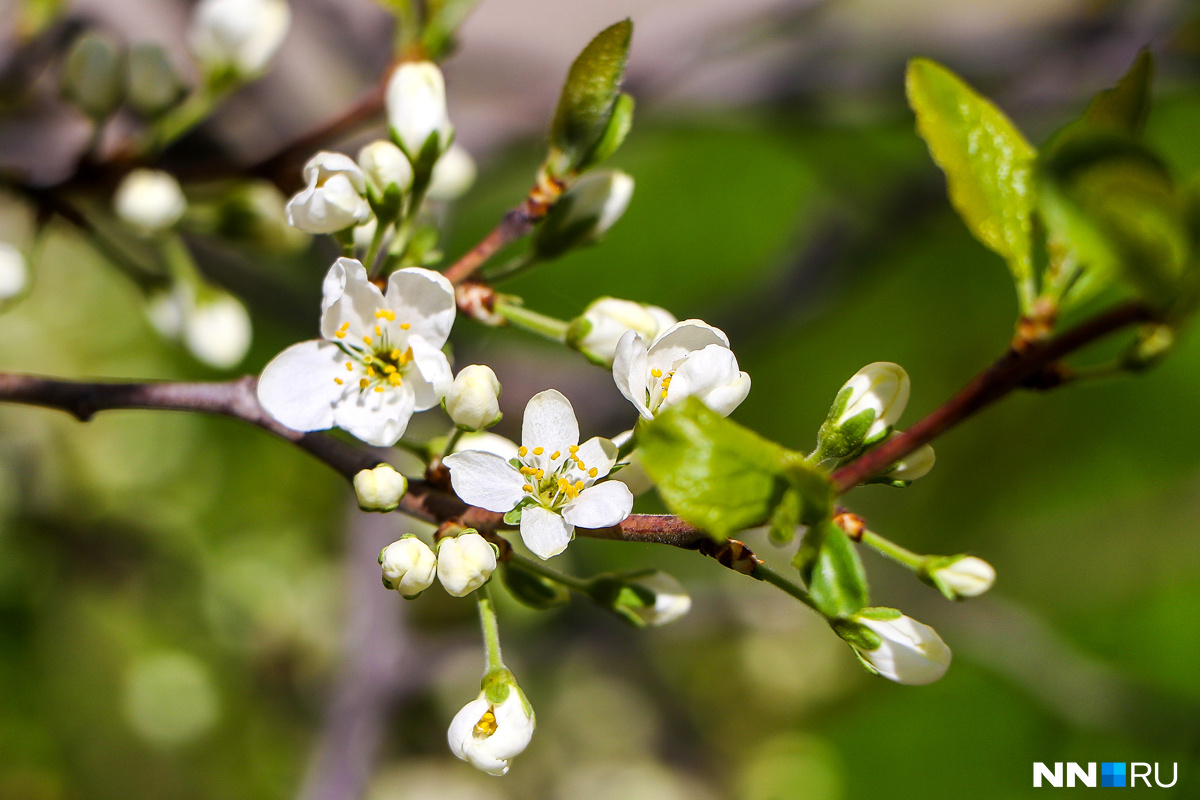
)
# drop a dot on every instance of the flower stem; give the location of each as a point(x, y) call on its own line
point(491, 631)
point(894, 551)
point(452, 442)
point(764, 573)
point(537, 568)
point(547, 327)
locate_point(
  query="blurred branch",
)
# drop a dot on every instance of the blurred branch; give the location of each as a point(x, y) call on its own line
point(516, 224)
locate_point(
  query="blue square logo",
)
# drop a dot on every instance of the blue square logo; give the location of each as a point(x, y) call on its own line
point(1112, 773)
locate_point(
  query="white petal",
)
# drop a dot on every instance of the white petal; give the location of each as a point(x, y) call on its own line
point(297, 387)
point(357, 303)
point(378, 418)
point(596, 453)
point(432, 377)
point(514, 729)
point(683, 338)
point(631, 371)
point(462, 727)
point(549, 422)
point(424, 300)
point(485, 480)
point(711, 375)
point(599, 506)
point(545, 533)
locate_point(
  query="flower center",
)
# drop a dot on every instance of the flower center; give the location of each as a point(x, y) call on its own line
point(377, 364)
point(546, 475)
point(486, 725)
point(656, 392)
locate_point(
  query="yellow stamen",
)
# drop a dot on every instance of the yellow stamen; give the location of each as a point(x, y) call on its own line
point(388, 369)
point(379, 389)
point(580, 464)
point(573, 449)
point(404, 325)
point(522, 451)
point(338, 381)
point(364, 383)
point(395, 355)
point(395, 380)
point(579, 486)
point(349, 367)
point(656, 372)
point(554, 456)
point(371, 372)
point(378, 331)
point(537, 451)
point(367, 339)
point(593, 472)
point(541, 473)
point(527, 488)
point(487, 724)
point(385, 313)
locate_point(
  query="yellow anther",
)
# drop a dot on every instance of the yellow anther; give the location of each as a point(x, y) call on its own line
point(527, 488)
point(379, 389)
point(541, 473)
point(364, 383)
point(554, 456)
point(385, 313)
point(338, 381)
point(378, 331)
point(349, 367)
point(342, 331)
point(593, 472)
point(395, 380)
point(404, 325)
point(580, 464)
point(388, 369)
point(656, 372)
point(664, 394)
point(340, 334)
point(367, 339)
point(527, 470)
point(405, 357)
point(537, 451)
point(522, 451)
point(579, 486)
point(573, 449)
point(371, 372)
point(394, 355)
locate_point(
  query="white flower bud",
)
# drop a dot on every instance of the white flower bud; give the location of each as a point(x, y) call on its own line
point(896, 647)
point(494, 728)
point(916, 464)
point(465, 562)
point(379, 489)
point(150, 200)
point(962, 576)
point(333, 199)
point(473, 399)
point(14, 272)
point(670, 600)
point(882, 387)
point(218, 331)
point(453, 174)
point(416, 108)
point(383, 164)
point(597, 332)
point(409, 566)
point(585, 213)
point(238, 35)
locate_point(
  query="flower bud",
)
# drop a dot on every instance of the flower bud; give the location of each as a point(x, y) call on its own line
point(14, 272)
point(379, 489)
point(333, 200)
point(473, 399)
point(255, 213)
point(238, 36)
point(605, 321)
point(584, 214)
point(150, 200)
point(916, 464)
point(386, 169)
point(409, 566)
point(416, 112)
point(646, 599)
point(894, 646)
point(865, 409)
point(453, 174)
point(465, 562)
point(960, 576)
point(92, 78)
point(495, 727)
point(154, 85)
point(217, 330)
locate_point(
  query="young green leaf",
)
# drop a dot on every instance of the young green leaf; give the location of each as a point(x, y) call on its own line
point(589, 97)
point(988, 165)
point(1126, 105)
point(831, 569)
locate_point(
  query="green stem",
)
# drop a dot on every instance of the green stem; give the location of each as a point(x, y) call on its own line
point(537, 568)
point(894, 551)
point(547, 327)
point(764, 573)
point(452, 442)
point(373, 251)
point(491, 631)
point(186, 116)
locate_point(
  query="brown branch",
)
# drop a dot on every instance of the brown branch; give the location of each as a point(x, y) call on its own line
point(1007, 374)
point(516, 224)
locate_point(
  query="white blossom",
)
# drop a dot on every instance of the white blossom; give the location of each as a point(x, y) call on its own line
point(691, 359)
point(453, 174)
point(883, 388)
point(409, 566)
point(488, 735)
point(383, 165)
point(150, 200)
point(238, 35)
point(416, 107)
point(378, 361)
point(333, 199)
point(904, 651)
point(963, 576)
point(14, 272)
point(668, 602)
point(217, 330)
point(379, 488)
point(603, 323)
point(473, 401)
point(464, 563)
point(556, 482)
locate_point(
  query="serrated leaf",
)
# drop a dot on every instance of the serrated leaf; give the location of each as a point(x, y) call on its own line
point(1126, 105)
point(831, 569)
point(589, 95)
point(987, 162)
point(718, 475)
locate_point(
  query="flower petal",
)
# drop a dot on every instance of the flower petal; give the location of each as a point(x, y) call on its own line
point(683, 338)
point(596, 453)
point(355, 303)
point(378, 418)
point(631, 371)
point(432, 377)
point(545, 533)
point(514, 729)
point(462, 727)
point(712, 376)
point(549, 422)
point(599, 506)
point(297, 387)
point(423, 300)
point(485, 480)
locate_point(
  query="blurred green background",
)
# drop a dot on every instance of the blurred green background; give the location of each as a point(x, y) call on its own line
point(191, 609)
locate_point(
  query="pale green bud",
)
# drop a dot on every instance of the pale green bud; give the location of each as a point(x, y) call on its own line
point(958, 577)
point(379, 489)
point(153, 84)
point(465, 562)
point(93, 76)
point(585, 213)
point(894, 646)
point(409, 566)
point(473, 401)
point(150, 200)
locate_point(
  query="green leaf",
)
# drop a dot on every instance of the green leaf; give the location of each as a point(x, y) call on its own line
point(831, 569)
point(442, 21)
point(1126, 105)
point(988, 165)
point(588, 97)
point(720, 476)
point(619, 125)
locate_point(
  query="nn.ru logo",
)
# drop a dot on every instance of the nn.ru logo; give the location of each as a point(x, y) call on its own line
point(1116, 774)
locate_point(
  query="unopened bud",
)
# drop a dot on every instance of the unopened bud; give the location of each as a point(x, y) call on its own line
point(596, 332)
point(584, 214)
point(473, 401)
point(916, 464)
point(416, 112)
point(150, 200)
point(389, 176)
point(865, 409)
point(238, 37)
point(14, 272)
point(93, 77)
point(217, 330)
point(465, 562)
point(494, 728)
point(380, 488)
point(648, 599)
point(453, 174)
point(894, 646)
point(409, 566)
point(333, 199)
point(154, 85)
point(960, 576)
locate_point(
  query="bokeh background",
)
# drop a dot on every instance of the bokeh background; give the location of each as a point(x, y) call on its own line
point(190, 608)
